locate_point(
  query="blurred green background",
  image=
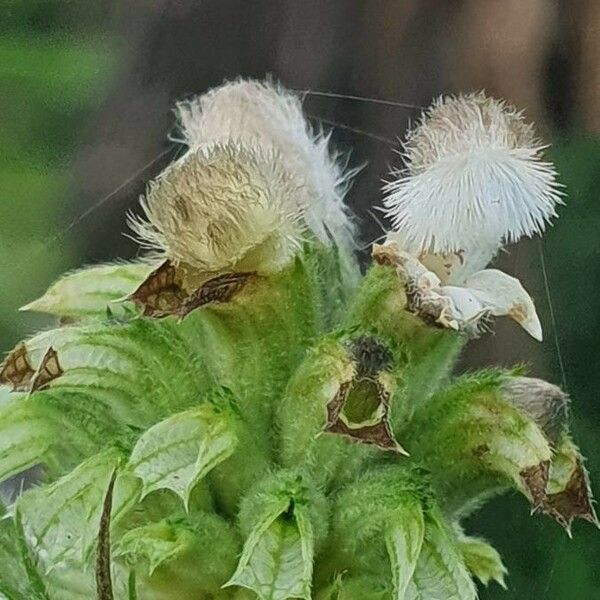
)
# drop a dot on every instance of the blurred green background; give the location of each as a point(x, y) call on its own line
point(85, 95)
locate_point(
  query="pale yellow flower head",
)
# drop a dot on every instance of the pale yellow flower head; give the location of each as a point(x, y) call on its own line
point(223, 206)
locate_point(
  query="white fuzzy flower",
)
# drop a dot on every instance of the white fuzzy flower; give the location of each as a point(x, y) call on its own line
point(473, 176)
point(221, 207)
point(264, 114)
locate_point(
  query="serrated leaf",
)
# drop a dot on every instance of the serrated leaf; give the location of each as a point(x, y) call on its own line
point(34, 577)
point(88, 293)
point(404, 539)
point(60, 521)
point(482, 560)
point(277, 559)
point(19, 579)
point(178, 452)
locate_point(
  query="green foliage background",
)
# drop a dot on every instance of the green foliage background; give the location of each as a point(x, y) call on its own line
point(543, 563)
point(55, 66)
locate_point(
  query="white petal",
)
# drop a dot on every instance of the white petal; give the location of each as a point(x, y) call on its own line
point(467, 307)
point(504, 295)
point(487, 292)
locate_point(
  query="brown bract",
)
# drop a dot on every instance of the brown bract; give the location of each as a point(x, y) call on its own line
point(371, 360)
point(48, 371)
point(535, 480)
point(165, 292)
point(17, 371)
point(574, 502)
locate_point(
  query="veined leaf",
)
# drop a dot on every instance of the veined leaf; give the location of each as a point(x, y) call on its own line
point(404, 539)
point(16, 582)
point(277, 559)
point(178, 452)
point(60, 521)
point(91, 292)
point(440, 572)
point(20, 579)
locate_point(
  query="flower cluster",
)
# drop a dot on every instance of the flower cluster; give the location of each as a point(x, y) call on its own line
point(249, 417)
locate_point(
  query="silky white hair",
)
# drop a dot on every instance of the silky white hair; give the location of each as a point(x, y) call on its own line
point(223, 205)
point(265, 114)
point(473, 174)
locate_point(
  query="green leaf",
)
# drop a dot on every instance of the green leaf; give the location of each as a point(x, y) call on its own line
point(34, 578)
point(21, 580)
point(17, 581)
point(88, 293)
point(25, 437)
point(60, 521)
point(154, 544)
point(178, 452)
point(404, 539)
point(277, 559)
point(199, 551)
point(482, 560)
point(441, 571)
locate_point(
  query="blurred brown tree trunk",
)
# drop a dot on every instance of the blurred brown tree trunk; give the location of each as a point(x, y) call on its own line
point(588, 65)
point(503, 47)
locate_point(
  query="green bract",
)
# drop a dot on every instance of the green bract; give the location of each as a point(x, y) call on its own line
point(248, 444)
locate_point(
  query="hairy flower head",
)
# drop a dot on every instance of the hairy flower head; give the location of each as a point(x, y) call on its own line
point(473, 177)
point(265, 114)
point(223, 205)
